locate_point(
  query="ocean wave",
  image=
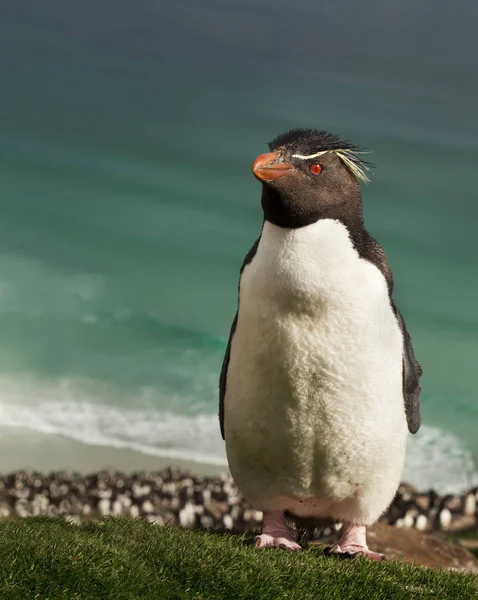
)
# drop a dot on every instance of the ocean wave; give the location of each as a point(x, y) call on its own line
point(85, 299)
point(159, 434)
point(435, 458)
point(62, 409)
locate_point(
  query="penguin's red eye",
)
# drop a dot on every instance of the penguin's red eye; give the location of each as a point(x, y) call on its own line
point(316, 169)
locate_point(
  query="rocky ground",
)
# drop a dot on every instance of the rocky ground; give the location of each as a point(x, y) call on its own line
point(177, 497)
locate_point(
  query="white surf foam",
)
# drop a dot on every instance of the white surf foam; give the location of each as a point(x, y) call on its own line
point(62, 409)
point(437, 459)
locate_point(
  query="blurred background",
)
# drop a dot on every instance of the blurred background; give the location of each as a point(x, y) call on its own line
point(127, 131)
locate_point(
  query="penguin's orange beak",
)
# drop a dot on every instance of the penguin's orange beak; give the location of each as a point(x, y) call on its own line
point(265, 167)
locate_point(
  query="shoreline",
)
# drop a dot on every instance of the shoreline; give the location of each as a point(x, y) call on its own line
point(24, 449)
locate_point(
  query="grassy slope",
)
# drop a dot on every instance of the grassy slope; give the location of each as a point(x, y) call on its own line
point(46, 558)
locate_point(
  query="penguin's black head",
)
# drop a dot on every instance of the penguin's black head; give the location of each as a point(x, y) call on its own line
point(310, 175)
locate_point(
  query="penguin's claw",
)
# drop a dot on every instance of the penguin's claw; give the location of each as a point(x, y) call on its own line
point(355, 552)
point(276, 534)
point(353, 544)
point(270, 541)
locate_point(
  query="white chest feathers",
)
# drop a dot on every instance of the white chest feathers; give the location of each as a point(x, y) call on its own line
point(314, 403)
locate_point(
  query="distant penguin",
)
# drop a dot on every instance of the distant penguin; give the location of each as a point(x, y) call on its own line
point(319, 379)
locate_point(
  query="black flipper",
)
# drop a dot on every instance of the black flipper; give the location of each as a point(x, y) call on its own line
point(223, 377)
point(412, 371)
point(371, 250)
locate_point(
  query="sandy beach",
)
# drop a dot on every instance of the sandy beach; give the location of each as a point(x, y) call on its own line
point(24, 449)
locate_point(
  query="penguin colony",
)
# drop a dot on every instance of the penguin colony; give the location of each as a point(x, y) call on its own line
point(320, 383)
point(197, 502)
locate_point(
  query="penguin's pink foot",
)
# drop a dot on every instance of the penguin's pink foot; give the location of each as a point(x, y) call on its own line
point(353, 544)
point(271, 541)
point(276, 534)
point(355, 552)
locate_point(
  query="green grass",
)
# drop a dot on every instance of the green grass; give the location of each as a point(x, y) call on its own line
point(121, 558)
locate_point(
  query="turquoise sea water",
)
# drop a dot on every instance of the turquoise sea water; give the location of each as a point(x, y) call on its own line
point(127, 131)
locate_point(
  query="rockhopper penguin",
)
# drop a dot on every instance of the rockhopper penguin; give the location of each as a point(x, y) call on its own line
point(319, 380)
